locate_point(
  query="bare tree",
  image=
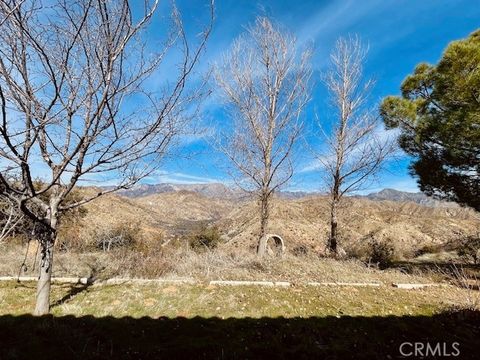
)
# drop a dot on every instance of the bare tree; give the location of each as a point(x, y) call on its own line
point(13, 6)
point(265, 82)
point(356, 146)
point(75, 104)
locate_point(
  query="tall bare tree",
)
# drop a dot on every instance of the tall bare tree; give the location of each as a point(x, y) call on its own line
point(356, 145)
point(265, 82)
point(74, 104)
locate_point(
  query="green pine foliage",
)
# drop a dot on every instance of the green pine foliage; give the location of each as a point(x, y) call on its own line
point(438, 115)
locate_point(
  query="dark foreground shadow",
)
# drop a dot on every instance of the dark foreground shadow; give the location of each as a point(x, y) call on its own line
point(68, 337)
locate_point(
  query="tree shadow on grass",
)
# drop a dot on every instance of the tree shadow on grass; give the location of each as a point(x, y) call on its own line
point(76, 289)
point(72, 292)
point(69, 337)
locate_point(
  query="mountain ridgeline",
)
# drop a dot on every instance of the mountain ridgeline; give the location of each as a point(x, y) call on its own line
point(403, 196)
point(209, 190)
point(222, 191)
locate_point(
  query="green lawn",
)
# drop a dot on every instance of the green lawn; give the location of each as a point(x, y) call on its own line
point(229, 301)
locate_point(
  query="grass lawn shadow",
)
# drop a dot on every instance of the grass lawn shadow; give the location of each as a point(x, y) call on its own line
point(69, 337)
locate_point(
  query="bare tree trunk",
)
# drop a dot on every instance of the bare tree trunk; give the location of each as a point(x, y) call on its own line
point(264, 215)
point(335, 198)
point(42, 306)
point(332, 243)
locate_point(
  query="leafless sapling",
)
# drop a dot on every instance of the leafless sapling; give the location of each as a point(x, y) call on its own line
point(265, 82)
point(356, 146)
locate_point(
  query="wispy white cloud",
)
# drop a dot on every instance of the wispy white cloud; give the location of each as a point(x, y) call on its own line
point(335, 19)
point(179, 178)
point(157, 177)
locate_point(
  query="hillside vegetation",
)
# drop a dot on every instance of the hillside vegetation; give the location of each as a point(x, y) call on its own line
point(151, 236)
point(301, 222)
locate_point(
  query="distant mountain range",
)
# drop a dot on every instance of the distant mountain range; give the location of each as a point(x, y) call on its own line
point(403, 196)
point(221, 191)
point(211, 190)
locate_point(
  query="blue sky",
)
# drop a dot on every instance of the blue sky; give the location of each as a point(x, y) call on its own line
point(400, 34)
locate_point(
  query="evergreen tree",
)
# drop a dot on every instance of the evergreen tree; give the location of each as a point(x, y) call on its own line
point(438, 115)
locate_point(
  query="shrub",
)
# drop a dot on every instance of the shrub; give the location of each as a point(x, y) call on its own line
point(70, 238)
point(148, 261)
point(372, 251)
point(205, 238)
point(426, 249)
point(357, 250)
point(118, 235)
point(469, 249)
point(300, 250)
point(381, 253)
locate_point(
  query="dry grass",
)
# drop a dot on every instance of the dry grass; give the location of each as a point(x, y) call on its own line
point(221, 263)
point(471, 283)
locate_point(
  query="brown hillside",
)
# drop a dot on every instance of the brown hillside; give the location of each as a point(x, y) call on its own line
point(166, 213)
point(176, 212)
point(305, 222)
point(300, 221)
